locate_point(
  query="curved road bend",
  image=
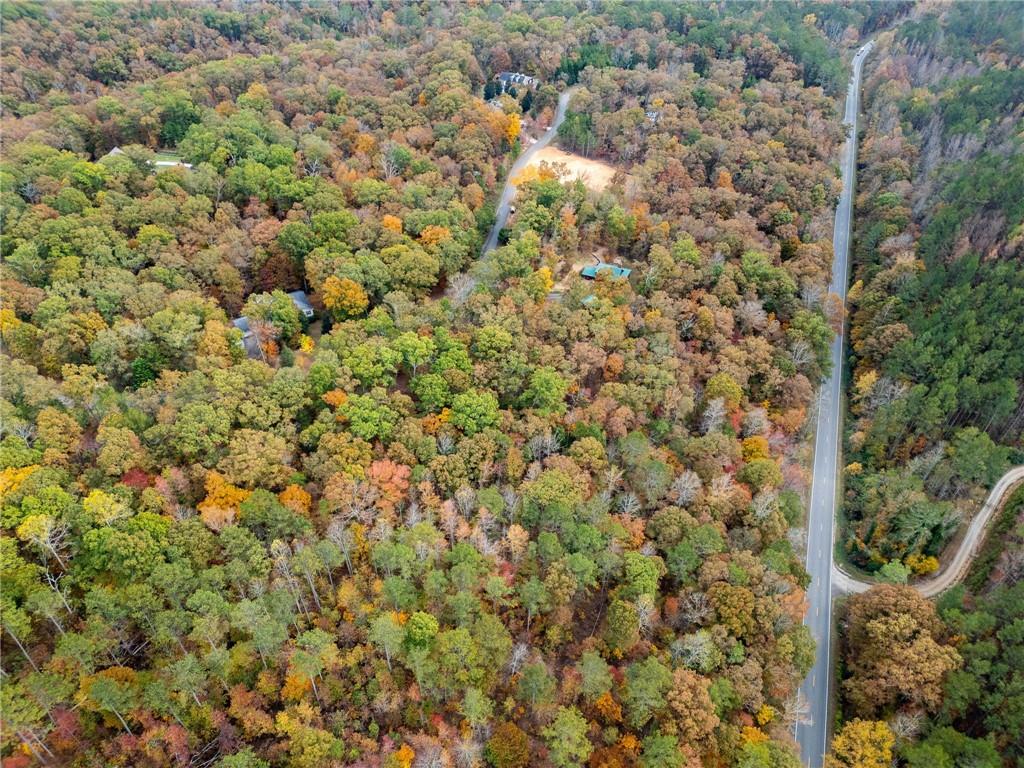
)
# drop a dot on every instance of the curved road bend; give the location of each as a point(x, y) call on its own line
point(508, 192)
point(957, 567)
point(813, 735)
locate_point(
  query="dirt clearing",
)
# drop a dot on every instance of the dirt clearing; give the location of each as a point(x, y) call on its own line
point(595, 174)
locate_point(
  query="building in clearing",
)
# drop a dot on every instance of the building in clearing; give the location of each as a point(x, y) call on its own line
point(302, 303)
point(248, 342)
point(166, 160)
point(591, 271)
point(171, 164)
point(516, 80)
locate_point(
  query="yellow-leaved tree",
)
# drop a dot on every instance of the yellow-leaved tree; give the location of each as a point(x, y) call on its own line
point(512, 128)
point(345, 297)
point(862, 744)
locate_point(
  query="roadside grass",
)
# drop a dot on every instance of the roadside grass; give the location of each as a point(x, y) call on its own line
point(994, 543)
point(838, 665)
point(841, 557)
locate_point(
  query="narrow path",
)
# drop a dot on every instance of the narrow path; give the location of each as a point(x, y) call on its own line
point(508, 193)
point(813, 735)
point(957, 568)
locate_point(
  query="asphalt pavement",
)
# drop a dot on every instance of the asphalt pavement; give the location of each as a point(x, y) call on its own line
point(813, 735)
point(508, 193)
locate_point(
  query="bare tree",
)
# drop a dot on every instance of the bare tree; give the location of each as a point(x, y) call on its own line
point(445, 444)
point(907, 725)
point(796, 710)
point(465, 501)
point(468, 753)
point(722, 485)
point(811, 294)
point(512, 501)
point(646, 614)
point(430, 753)
point(764, 505)
point(1012, 567)
point(686, 324)
point(281, 554)
point(685, 487)
point(47, 534)
point(341, 536)
point(388, 163)
point(544, 445)
point(797, 538)
point(54, 583)
point(519, 656)
point(801, 354)
point(629, 504)
point(926, 462)
point(751, 315)
point(460, 288)
point(694, 608)
point(714, 415)
point(755, 422)
point(696, 650)
point(651, 275)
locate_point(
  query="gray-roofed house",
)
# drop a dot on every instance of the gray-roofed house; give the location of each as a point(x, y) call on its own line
point(248, 342)
point(516, 80)
point(302, 303)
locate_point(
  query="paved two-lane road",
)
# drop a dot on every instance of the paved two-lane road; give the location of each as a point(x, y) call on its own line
point(509, 191)
point(813, 736)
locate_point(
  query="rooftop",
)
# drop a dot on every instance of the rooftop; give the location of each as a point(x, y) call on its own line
point(515, 78)
point(301, 301)
point(591, 271)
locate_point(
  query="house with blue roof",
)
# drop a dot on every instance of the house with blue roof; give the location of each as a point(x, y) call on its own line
point(591, 271)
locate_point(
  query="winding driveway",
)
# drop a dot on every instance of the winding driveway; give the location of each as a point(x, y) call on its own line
point(508, 193)
point(956, 569)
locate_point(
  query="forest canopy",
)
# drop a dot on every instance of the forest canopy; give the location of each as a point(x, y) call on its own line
point(292, 474)
point(937, 301)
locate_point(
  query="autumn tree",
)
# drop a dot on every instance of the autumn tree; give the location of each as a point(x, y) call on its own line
point(862, 744)
point(895, 650)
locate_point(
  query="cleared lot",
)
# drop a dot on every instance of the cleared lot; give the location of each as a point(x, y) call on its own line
point(594, 174)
